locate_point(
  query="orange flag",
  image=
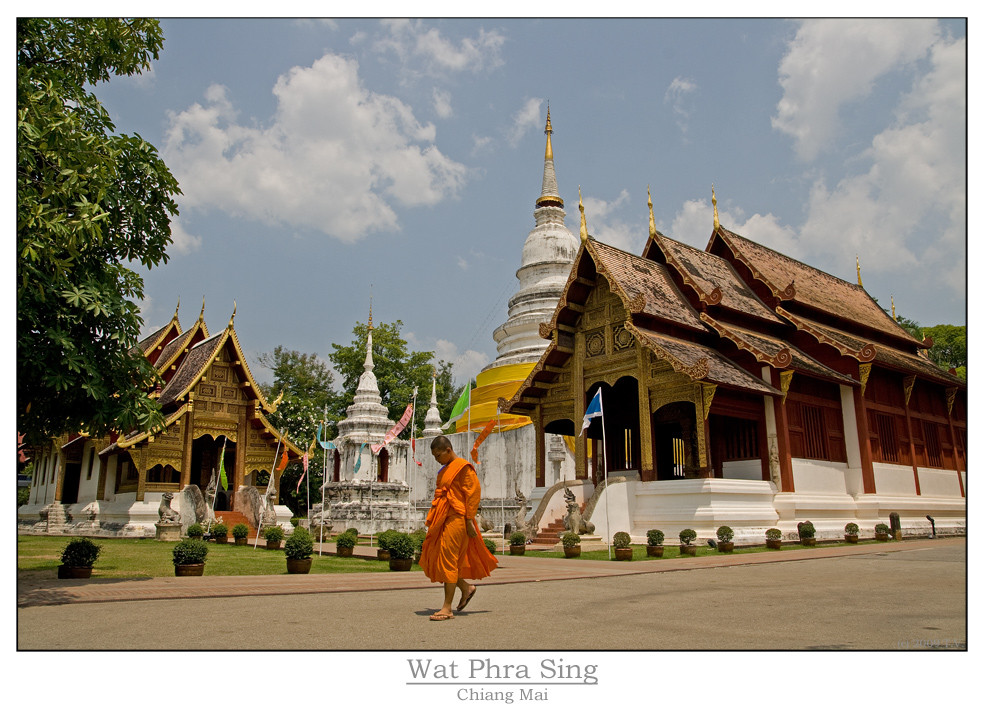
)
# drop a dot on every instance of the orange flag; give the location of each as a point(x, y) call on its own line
point(283, 461)
point(480, 439)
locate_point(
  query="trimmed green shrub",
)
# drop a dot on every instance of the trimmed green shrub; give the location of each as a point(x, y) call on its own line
point(274, 534)
point(352, 530)
point(195, 530)
point(806, 530)
point(517, 539)
point(400, 546)
point(687, 536)
point(80, 553)
point(299, 545)
point(621, 540)
point(347, 540)
point(851, 528)
point(882, 528)
point(219, 530)
point(190, 551)
point(570, 539)
point(773, 534)
point(724, 533)
point(418, 537)
point(240, 531)
point(491, 546)
point(655, 537)
point(386, 537)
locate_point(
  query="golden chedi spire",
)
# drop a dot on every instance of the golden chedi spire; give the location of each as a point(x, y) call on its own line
point(893, 301)
point(715, 210)
point(550, 187)
point(652, 229)
point(858, 270)
point(583, 235)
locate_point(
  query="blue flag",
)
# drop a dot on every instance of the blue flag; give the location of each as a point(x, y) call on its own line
point(357, 463)
point(594, 410)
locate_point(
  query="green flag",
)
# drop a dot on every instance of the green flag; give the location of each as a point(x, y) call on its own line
point(222, 478)
point(460, 407)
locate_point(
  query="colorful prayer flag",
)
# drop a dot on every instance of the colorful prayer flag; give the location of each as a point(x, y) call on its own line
point(460, 407)
point(395, 430)
point(480, 439)
point(594, 410)
point(283, 460)
point(357, 463)
point(306, 464)
point(222, 478)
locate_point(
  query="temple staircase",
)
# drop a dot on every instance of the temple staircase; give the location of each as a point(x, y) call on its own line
point(551, 534)
point(231, 518)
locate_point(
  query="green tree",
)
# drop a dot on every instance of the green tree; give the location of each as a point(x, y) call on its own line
point(910, 326)
point(949, 346)
point(397, 370)
point(306, 383)
point(88, 201)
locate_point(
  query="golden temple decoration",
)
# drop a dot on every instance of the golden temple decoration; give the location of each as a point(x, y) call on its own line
point(548, 133)
point(650, 209)
point(908, 383)
point(201, 316)
point(893, 301)
point(231, 320)
point(583, 236)
point(178, 308)
point(951, 396)
point(715, 210)
point(274, 405)
point(708, 393)
point(785, 377)
point(858, 269)
point(864, 370)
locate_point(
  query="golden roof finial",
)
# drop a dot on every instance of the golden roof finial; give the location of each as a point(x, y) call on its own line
point(178, 308)
point(715, 209)
point(370, 326)
point(650, 210)
point(583, 235)
point(893, 301)
point(858, 269)
point(231, 320)
point(201, 316)
point(548, 133)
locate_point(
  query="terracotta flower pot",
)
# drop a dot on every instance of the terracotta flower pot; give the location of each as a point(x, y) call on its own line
point(657, 550)
point(400, 564)
point(851, 538)
point(221, 540)
point(298, 566)
point(882, 536)
point(74, 572)
point(623, 554)
point(808, 541)
point(517, 549)
point(384, 555)
point(241, 541)
point(773, 543)
point(188, 569)
point(345, 551)
point(571, 552)
point(727, 547)
point(688, 549)
point(278, 544)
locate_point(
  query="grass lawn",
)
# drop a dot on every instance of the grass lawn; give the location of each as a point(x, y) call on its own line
point(40, 556)
point(671, 551)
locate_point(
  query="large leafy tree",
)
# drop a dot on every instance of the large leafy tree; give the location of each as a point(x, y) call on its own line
point(397, 370)
point(306, 383)
point(89, 201)
point(949, 346)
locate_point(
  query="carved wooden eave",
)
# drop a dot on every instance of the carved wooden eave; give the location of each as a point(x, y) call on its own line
point(696, 372)
point(539, 368)
point(124, 441)
point(260, 421)
point(865, 354)
point(789, 292)
point(781, 360)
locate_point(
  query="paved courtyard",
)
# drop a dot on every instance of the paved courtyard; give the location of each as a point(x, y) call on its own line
point(909, 594)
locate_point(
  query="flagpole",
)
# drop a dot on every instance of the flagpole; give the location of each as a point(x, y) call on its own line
point(469, 432)
point(412, 444)
point(323, 485)
point(504, 479)
point(606, 487)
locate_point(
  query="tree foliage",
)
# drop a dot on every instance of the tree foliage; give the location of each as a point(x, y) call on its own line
point(949, 346)
point(397, 370)
point(88, 201)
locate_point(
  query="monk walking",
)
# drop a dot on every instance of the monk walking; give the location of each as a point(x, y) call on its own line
point(454, 550)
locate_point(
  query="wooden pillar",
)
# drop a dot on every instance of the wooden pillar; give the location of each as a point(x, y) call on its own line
point(540, 447)
point(782, 381)
point(59, 471)
point(862, 423)
point(958, 462)
point(579, 403)
point(908, 383)
point(188, 423)
point(141, 472)
point(644, 416)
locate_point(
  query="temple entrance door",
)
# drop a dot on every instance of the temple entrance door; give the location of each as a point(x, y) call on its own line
point(674, 426)
point(205, 455)
point(383, 465)
point(69, 490)
point(621, 424)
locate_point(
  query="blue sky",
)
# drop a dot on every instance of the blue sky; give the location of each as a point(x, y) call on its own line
point(326, 162)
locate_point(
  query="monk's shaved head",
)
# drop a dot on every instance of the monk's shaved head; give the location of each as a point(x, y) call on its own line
point(440, 443)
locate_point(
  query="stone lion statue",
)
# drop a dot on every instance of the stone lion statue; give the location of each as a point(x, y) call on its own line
point(520, 523)
point(573, 519)
point(167, 514)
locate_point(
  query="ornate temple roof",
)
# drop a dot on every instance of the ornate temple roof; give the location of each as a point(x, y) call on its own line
point(791, 280)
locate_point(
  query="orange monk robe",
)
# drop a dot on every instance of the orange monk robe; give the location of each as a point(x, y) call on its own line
point(448, 552)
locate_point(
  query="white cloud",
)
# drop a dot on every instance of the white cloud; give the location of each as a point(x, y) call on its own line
point(465, 364)
point(528, 117)
point(831, 62)
point(412, 41)
point(906, 211)
point(604, 223)
point(481, 144)
point(462, 263)
point(693, 226)
point(676, 96)
point(442, 103)
point(336, 157)
point(184, 242)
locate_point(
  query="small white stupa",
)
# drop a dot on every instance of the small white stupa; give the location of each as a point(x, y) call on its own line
point(433, 421)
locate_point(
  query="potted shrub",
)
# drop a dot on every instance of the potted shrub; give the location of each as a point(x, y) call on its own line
point(725, 534)
point(806, 532)
point(219, 532)
point(517, 544)
point(417, 537)
point(570, 544)
point(773, 536)
point(882, 532)
point(851, 533)
point(189, 556)
point(195, 531)
point(491, 545)
point(299, 552)
point(345, 543)
point(384, 544)
point(352, 530)
point(655, 543)
point(401, 550)
point(241, 533)
point(621, 547)
point(687, 537)
point(77, 559)
point(274, 536)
